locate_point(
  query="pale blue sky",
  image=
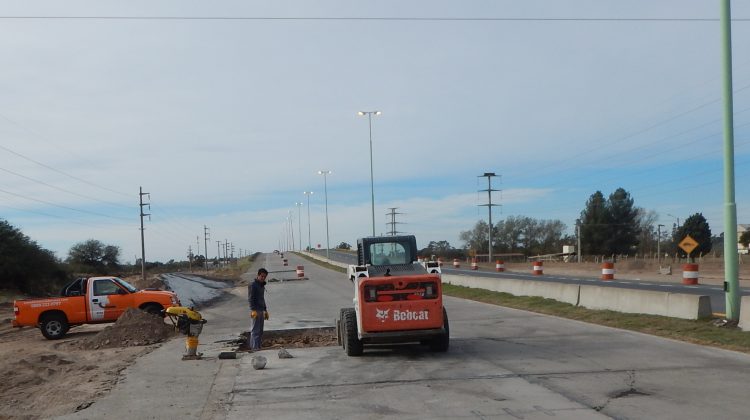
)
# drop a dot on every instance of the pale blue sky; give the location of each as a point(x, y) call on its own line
point(225, 122)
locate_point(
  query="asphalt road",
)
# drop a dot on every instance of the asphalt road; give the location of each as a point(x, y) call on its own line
point(502, 364)
point(715, 293)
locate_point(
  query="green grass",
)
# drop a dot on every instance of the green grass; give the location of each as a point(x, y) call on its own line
point(702, 332)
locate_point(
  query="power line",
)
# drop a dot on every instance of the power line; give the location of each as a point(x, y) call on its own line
point(61, 172)
point(370, 18)
point(63, 207)
point(63, 189)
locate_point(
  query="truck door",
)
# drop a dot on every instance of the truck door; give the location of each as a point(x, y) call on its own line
point(107, 300)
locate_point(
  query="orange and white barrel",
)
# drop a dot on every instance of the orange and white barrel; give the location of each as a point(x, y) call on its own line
point(608, 271)
point(440, 261)
point(300, 271)
point(499, 266)
point(285, 262)
point(419, 259)
point(474, 265)
point(537, 268)
point(456, 263)
point(690, 274)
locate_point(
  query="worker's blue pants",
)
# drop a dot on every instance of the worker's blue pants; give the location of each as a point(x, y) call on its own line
point(256, 331)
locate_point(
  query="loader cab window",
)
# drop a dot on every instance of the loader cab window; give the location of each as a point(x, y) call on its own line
point(106, 287)
point(388, 253)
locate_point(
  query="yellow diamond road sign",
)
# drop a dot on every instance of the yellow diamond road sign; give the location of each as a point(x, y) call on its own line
point(688, 244)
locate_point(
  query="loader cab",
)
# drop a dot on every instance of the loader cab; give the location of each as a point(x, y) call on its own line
point(386, 250)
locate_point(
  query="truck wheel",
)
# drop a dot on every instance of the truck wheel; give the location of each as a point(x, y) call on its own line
point(54, 326)
point(442, 342)
point(353, 344)
point(153, 309)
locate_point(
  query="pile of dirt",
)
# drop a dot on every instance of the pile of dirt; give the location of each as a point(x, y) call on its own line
point(133, 328)
point(296, 338)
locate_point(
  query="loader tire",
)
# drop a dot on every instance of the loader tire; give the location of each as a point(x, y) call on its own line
point(442, 342)
point(54, 326)
point(341, 329)
point(352, 343)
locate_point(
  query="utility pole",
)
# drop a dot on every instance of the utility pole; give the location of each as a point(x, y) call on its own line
point(393, 221)
point(489, 176)
point(190, 258)
point(205, 243)
point(731, 260)
point(218, 253)
point(143, 242)
point(658, 244)
point(226, 252)
point(578, 236)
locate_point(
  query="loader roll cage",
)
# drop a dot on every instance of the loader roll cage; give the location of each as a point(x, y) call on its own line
point(386, 250)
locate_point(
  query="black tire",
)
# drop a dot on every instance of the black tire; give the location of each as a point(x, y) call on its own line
point(54, 326)
point(353, 345)
point(442, 342)
point(341, 332)
point(153, 309)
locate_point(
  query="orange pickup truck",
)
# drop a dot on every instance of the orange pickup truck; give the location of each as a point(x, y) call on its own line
point(88, 301)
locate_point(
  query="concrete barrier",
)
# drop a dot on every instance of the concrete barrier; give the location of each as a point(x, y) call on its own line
point(745, 313)
point(561, 292)
point(324, 259)
point(675, 305)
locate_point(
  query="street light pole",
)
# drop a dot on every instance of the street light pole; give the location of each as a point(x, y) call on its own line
point(299, 223)
point(291, 228)
point(372, 178)
point(309, 242)
point(325, 190)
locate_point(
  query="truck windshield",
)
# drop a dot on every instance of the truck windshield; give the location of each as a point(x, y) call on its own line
point(123, 283)
point(388, 253)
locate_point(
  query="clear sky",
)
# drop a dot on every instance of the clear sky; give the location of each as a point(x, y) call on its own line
point(226, 121)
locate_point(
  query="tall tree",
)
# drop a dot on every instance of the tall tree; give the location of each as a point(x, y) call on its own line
point(595, 225)
point(477, 238)
point(623, 219)
point(646, 222)
point(697, 227)
point(26, 266)
point(93, 255)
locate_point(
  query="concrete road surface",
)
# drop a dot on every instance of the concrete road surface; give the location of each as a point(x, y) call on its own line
point(502, 364)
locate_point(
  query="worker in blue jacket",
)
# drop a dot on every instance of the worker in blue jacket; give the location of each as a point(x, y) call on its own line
point(258, 312)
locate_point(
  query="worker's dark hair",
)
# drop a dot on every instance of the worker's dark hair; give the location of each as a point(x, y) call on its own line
point(262, 271)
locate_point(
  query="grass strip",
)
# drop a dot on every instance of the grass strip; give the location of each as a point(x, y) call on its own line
point(703, 331)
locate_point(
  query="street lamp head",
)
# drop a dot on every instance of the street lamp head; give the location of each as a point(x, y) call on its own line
point(378, 112)
point(307, 192)
point(360, 113)
point(323, 172)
